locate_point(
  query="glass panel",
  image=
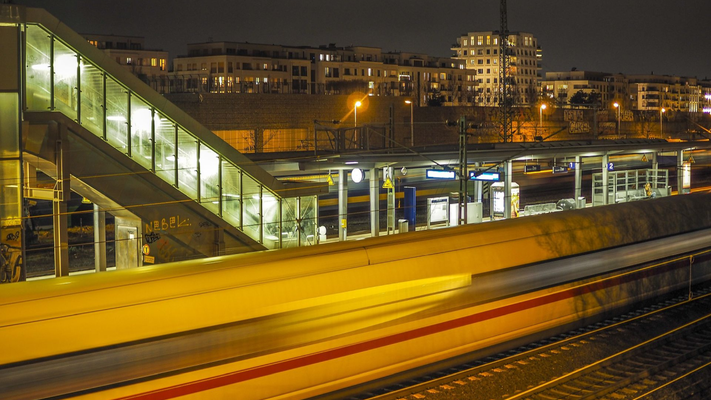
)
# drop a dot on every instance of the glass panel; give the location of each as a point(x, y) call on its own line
point(231, 196)
point(9, 125)
point(165, 148)
point(141, 125)
point(309, 223)
point(209, 179)
point(270, 224)
point(116, 115)
point(92, 98)
point(251, 219)
point(290, 229)
point(37, 55)
point(187, 163)
point(10, 208)
point(65, 79)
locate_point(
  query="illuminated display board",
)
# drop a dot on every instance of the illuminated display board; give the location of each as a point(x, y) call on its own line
point(485, 176)
point(440, 174)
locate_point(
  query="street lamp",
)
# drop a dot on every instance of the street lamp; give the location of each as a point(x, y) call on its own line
point(540, 115)
point(412, 127)
point(617, 106)
point(661, 127)
point(355, 113)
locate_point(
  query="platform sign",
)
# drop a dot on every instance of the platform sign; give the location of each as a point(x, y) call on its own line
point(488, 176)
point(440, 174)
point(560, 170)
point(531, 168)
point(686, 178)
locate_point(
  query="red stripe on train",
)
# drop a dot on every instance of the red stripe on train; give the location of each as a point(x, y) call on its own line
point(281, 366)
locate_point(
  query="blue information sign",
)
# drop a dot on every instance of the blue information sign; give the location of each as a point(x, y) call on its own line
point(485, 176)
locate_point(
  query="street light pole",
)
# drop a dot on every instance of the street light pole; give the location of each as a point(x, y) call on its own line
point(661, 126)
point(355, 113)
point(412, 126)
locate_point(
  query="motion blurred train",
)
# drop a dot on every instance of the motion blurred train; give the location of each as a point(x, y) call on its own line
point(332, 319)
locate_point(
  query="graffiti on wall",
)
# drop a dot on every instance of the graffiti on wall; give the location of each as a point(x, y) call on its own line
point(11, 262)
point(579, 127)
point(573, 115)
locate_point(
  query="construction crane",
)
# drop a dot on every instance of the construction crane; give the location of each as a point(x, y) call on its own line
point(505, 97)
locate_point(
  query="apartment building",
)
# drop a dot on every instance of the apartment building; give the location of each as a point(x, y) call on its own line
point(559, 88)
point(480, 52)
point(633, 92)
point(236, 67)
point(653, 92)
point(151, 66)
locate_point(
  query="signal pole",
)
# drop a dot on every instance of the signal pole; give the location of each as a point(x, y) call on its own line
point(505, 98)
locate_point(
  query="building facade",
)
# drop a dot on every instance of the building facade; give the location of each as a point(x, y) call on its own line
point(231, 67)
point(151, 66)
point(480, 52)
point(632, 92)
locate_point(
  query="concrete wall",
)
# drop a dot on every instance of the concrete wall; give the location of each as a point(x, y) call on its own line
point(258, 111)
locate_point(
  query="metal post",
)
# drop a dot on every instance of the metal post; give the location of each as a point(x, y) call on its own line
point(478, 192)
point(578, 179)
point(507, 188)
point(680, 171)
point(412, 125)
point(374, 203)
point(342, 205)
point(99, 239)
point(605, 161)
point(463, 174)
point(59, 205)
point(655, 172)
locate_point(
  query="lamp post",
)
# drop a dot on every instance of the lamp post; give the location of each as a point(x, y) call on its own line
point(412, 126)
point(540, 115)
point(661, 127)
point(355, 113)
point(617, 106)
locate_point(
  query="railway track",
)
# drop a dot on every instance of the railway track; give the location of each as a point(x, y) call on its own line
point(644, 354)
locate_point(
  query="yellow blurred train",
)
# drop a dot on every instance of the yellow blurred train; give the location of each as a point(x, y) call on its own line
point(305, 322)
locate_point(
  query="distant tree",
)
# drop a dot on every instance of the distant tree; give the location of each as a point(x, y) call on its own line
point(585, 98)
point(435, 101)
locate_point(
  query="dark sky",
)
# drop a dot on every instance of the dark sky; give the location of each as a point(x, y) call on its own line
point(628, 36)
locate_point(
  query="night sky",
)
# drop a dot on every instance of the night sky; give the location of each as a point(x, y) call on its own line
point(627, 36)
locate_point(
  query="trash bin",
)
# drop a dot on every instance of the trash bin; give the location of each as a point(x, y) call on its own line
point(581, 203)
point(402, 225)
